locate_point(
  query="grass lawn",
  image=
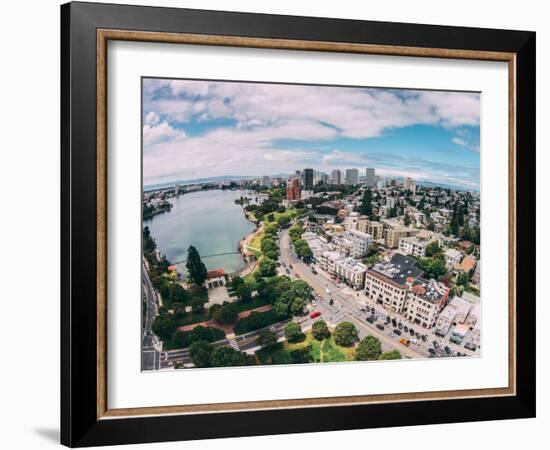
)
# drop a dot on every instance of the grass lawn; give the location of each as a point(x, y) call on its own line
point(256, 244)
point(325, 351)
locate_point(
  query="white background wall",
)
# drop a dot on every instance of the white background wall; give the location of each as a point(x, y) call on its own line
point(29, 229)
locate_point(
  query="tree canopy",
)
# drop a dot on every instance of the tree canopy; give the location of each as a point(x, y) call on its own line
point(320, 330)
point(369, 349)
point(195, 267)
point(293, 332)
point(345, 334)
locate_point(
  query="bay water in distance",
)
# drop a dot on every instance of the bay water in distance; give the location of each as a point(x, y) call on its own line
point(211, 221)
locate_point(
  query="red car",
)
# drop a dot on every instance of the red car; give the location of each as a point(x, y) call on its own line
point(315, 314)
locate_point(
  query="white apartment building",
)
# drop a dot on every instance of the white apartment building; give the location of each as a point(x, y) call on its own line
point(352, 271)
point(456, 311)
point(452, 257)
point(414, 245)
point(473, 338)
point(351, 220)
point(353, 243)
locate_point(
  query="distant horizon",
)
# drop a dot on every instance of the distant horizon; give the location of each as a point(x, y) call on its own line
point(207, 129)
point(221, 178)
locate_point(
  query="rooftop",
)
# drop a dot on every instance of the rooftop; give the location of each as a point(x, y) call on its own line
point(214, 273)
point(399, 269)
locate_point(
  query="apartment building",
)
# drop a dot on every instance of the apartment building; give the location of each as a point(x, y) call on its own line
point(353, 243)
point(398, 286)
point(351, 271)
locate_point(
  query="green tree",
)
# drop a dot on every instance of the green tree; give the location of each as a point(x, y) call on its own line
point(270, 217)
point(195, 267)
point(392, 354)
point(320, 330)
point(164, 326)
point(283, 221)
point(244, 293)
point(200, 352)
point(369, 349)
point(432, 267)
point(267, 267)
point(345, 334)
point(303, 250)
point(463, 279)
point(432, 249)
point(268, 244)
point(197, 305)
point(226, 357)
point(293, 332)
point(226, 314)
point(267, 338)
point(366, 203)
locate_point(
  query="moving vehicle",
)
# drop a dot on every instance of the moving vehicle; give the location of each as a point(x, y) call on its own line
point(313, 271)
point(413, 341)
point(404, 341)
point(315, 314)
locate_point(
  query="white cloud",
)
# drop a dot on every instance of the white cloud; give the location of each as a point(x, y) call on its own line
point(162, 132)
point(152, 118)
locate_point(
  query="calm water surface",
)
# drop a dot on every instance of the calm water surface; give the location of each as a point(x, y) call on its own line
point(209, 220)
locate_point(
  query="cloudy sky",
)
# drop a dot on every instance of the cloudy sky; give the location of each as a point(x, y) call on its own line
point(200, 129)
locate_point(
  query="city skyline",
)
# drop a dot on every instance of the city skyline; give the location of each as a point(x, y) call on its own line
point(200, 129)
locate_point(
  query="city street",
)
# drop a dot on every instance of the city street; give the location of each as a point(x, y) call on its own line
point(150, 356)
point(346, 304)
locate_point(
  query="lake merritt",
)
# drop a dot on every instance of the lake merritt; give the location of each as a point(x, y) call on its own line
point(211, 221)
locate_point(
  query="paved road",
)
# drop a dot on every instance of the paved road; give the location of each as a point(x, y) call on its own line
point(150, 356)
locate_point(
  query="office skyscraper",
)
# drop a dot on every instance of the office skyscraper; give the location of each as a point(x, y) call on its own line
point(308, 179)
point(352, 176)
point(371, 177)
point(336, 177)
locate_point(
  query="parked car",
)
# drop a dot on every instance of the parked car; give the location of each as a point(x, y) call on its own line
point(315, 314)
point(413, 341)
point(394, 322)
point(331, 302)
point(313, 271)
point(388, 320)
point(406, 328)
point(435, 344)
point(370, 319)
point(380, 326)
point(372, 310)
point(288, 271)
point(400, 325)
point(397, 332)
point(424, 338)
point(431, 350)
point(447, 350)
point(411, 331)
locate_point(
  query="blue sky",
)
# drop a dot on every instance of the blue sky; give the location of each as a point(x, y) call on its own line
point(198, 129)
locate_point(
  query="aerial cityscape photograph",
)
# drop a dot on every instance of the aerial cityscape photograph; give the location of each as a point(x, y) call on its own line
point(302, 224)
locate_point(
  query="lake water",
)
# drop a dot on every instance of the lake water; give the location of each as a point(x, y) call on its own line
point(209, 220)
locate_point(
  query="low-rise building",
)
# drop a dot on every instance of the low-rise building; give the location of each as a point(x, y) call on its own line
point(416, 245)
point(473, 338)
point(215, 278)
point(452, 257)
point(351, 271)
point(425, 302)
point(353, 243)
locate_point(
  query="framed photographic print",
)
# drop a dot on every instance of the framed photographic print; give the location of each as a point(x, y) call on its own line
point(277, 224)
